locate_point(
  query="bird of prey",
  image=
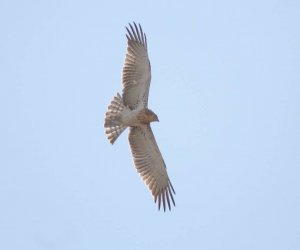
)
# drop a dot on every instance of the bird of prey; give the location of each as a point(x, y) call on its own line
point(131, 110)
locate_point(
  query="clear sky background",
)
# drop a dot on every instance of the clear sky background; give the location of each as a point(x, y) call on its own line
point(226, 87)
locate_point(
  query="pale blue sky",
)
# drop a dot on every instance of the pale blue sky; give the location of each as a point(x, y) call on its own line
point(226, 87)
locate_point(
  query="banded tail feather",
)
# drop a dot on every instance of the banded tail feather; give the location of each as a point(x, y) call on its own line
point(113, 125)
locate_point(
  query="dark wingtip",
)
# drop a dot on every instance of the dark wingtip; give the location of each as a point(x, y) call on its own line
point(164, 199)
point(135, 33)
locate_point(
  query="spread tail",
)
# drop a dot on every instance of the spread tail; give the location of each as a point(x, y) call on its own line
point(113, 125)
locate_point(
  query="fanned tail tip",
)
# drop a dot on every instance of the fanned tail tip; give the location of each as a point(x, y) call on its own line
point(112, 124)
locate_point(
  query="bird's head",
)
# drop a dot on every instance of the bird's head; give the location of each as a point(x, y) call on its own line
point(155, 118)
point(152, 117)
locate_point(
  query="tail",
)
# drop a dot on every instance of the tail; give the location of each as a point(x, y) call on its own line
point(113, 125)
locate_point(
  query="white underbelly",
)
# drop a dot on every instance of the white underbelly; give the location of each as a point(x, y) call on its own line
point(130, 117)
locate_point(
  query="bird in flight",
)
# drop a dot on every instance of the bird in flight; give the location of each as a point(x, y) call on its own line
point(131, 110)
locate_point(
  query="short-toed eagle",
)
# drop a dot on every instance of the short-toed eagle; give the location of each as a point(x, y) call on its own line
point(131, 110)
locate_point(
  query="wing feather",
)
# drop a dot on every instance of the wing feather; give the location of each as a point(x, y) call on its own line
point(136, 75)
point(150, 165)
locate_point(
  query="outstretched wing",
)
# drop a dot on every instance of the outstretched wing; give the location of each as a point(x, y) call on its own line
point(136, 75)
point(150, 164)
